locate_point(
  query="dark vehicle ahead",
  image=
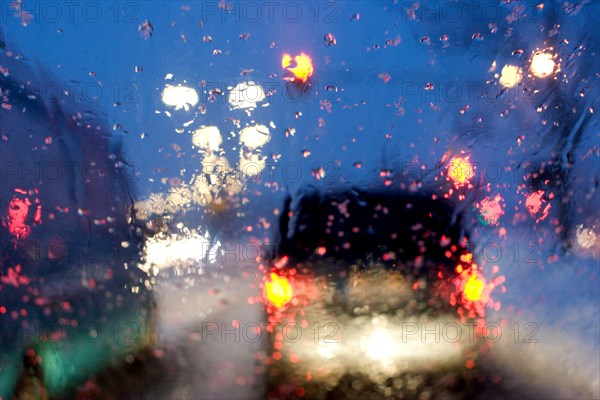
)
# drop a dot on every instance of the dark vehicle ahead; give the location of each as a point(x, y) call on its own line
point(373, 294)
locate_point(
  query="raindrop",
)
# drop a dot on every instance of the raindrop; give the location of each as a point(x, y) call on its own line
point(385, 77)
point(329, 39)
point(146, 30)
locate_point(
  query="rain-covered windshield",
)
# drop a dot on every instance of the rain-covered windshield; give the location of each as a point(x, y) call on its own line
point(299, 199)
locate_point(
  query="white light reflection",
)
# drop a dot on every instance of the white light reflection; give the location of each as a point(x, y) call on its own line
point(208, 138)
point(586, 237)
point(246, 95)
point(510, 76)
point(255, 136)
point(164, 251)
point(381, 346)
point(179, 97)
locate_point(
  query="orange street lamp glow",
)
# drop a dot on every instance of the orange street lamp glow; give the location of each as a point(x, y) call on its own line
point(460, 171)
point(303, 69)
point(278, 291)
point(542, 64)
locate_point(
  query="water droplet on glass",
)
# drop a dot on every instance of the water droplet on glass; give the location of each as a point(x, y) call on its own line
point(329, 39)
point(146, 29)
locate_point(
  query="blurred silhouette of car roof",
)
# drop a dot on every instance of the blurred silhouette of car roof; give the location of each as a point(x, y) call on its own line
point(354, 223)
